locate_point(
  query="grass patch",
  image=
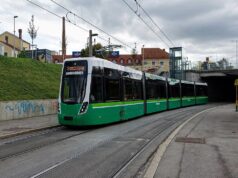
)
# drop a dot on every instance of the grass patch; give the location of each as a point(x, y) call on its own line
point(25, 79)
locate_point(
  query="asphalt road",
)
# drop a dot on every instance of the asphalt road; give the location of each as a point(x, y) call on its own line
point(118, 150)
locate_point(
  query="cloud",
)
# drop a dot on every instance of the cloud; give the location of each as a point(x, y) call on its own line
point(202, 27)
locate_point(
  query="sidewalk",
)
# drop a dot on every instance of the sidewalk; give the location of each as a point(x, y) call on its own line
point(20, 126)
point(206, 147)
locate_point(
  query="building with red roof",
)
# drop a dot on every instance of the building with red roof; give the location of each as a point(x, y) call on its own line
point(153, 60)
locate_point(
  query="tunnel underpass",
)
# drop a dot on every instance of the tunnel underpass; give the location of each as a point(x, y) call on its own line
point(221, 88)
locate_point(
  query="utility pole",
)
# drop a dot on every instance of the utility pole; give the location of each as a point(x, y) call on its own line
point(109, 45)
point(14, 49)
point(134, 55)
point(63, 39)
point(143, 57)
point(90, 48)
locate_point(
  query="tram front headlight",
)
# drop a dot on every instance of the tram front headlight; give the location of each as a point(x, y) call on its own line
point(58, 107)
point(84, 107)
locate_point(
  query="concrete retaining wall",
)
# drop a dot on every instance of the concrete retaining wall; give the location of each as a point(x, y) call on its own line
point(27, 108)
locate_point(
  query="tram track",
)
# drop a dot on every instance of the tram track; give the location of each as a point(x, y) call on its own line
point(173, 124)
point(163, 127)
point(31, 142)
point(172, 121)
point(36, 141)
point(116, 150)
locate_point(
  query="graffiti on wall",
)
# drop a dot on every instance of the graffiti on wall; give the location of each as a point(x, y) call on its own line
point(54, 105)
point(25, 107)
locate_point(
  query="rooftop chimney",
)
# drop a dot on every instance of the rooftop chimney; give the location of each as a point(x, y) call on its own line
point(20, 33)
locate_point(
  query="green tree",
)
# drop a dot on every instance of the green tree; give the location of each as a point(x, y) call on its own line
point(22, 54)
point(96, 47)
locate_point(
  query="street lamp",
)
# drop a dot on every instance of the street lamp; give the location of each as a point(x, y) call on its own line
point(14, 17)
point(143, 57)
point(90, 42)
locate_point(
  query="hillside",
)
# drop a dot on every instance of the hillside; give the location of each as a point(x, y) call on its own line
point(22, 79)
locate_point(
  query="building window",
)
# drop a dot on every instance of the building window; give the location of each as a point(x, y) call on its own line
point(121, 61)
point(137, 61)
point(161, 63)
point(5, 54)
point(114, 61)
point(129, 61)
point(6, 39)
point(145, 62)
point(153, 63)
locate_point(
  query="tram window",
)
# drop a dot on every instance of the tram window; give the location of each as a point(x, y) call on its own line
point(112, 89)
point(191, 90)
point(149, 90)
point(112, 85)
point(161, 90)
point(128, 89)
point(201, 90)
point(152, 90)
point(138, 90)
point(97, 70)
point(112, 73)
point(205, 90)
point(177, 91)
point(187, 90)
point(198, 90)
point(174, 91)
point(96, 94)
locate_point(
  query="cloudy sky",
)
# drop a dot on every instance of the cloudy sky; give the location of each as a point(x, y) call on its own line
point(203, 28)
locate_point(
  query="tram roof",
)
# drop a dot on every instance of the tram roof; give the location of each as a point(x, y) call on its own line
point(199, 83)
point(154, 77)
point(94, 61)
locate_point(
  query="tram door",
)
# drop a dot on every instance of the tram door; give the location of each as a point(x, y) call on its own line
point(132, 99)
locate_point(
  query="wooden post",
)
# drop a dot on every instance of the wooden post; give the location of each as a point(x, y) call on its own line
point(63, 39)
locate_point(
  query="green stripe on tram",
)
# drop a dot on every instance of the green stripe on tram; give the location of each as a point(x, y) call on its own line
point(156, 100)
point(117, 103)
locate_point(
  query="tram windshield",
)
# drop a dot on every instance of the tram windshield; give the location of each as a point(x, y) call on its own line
point(74, 82)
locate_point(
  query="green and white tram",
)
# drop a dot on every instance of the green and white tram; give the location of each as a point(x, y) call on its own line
point(95, 91)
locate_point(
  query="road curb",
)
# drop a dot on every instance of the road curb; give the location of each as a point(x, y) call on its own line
point(27, 131)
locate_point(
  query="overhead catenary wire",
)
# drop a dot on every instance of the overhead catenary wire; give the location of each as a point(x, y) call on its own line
point(55, 14)
point(67, 20)
point(148, 26)
point(88, 22)
point(44, 8)
point(147, 14)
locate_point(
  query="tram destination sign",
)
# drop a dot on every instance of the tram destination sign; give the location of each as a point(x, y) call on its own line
point(75, 70)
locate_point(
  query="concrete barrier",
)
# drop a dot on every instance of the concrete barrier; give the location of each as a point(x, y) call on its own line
point(27, 108)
